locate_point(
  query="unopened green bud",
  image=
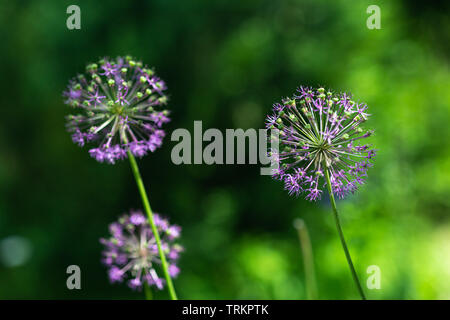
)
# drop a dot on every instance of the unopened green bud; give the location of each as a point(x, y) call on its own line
point(289, 102)
point(97, 78)
point(92, 67)
point(163, 100)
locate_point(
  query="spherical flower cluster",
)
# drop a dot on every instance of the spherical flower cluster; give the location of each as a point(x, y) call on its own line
point(117, 101)
point(131, 253)
point(319, 130)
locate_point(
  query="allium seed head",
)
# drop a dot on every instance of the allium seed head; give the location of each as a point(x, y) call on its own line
point(117, 102)
point(131, 253)
point(320, 130)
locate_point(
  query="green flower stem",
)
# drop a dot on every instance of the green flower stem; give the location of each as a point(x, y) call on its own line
point(148, 292)
point(341, 236)
point(308, 260)
point(149, 213)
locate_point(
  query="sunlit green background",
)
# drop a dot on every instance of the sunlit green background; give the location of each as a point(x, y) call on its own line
point(225, 63)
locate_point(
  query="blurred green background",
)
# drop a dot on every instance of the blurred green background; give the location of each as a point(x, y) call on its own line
point(225, 63)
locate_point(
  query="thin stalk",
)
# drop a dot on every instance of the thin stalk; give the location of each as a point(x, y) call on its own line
point(148, 292)
point(341, 236)
point(308, 260)
point(148, 211)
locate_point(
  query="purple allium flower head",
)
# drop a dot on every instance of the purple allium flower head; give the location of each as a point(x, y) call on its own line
point(118, 104)
point(319, 131)
point(131, 253)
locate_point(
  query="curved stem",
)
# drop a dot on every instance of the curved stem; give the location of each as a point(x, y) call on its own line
point(149, 213)
point(341, 236)
point(308, 260)
point(148, 292)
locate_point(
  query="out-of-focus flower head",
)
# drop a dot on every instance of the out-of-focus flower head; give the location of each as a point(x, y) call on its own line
point(131, 253)
point(119, 109)
point(319, 130)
